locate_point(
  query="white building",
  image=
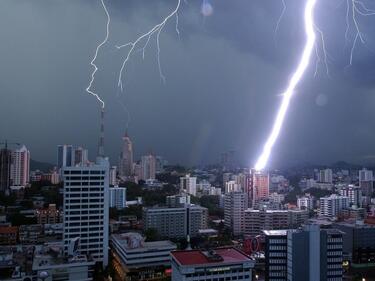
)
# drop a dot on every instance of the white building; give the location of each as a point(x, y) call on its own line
point(139, 259)
point(48, 261)
point(113, 176)
point(68, 155)
point(354, 193)
point(276, 197)
point(117, 197)
point(20, 167)
point(232, 186)
point(234, 206)
point(188, 184)
point(148, 167)
point(86, 208)
point(305, 202)
point(332, 205)
point(219, 264)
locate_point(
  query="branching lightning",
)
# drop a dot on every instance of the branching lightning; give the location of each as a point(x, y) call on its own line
point(296, 78)
point(88, 89)
point(146, 37)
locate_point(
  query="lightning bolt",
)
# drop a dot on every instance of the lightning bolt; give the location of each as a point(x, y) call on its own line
point(145, 38)
point(296, 78)
point(355, 9)
point(88, 89)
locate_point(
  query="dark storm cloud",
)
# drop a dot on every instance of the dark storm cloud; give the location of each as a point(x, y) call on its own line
point(224, 74)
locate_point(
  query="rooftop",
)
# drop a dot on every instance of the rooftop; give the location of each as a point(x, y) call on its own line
point(198, 257)
point(275, 232)
point(135, 242)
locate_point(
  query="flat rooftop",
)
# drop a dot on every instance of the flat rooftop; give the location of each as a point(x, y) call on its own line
point(275, 232)
point(198, 257)
point(140, 245)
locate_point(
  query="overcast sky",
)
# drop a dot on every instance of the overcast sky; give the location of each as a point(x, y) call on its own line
point(224, 75)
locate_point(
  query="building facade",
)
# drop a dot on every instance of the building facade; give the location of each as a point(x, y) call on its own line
point(20, 169)
point(117, 197)
point(188, 184)
point(219, 264)
point(235, 204)
point(126, 157)
point(86, 209)
point(332, 206)
point(176, 222)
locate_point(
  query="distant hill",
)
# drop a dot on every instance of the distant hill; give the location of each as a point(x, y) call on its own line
point(42, 166)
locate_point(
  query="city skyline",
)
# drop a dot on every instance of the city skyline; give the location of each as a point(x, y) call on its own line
point(254, 64)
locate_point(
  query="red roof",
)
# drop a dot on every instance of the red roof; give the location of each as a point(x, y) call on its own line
point(8, 229)
point(194, 257)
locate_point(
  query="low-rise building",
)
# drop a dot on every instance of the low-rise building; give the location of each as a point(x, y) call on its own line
point(258, 220)
point(8, 235)
point(30, 234)
point(219, 264)
point(135, 259)
point(49, 261)
point(50, 215)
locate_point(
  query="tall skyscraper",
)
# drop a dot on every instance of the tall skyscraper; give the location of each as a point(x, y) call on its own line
point(86, 208)
point(126, 157)
point(148, 166)
point(188, 184)
point(20, 168)
point(5, 168)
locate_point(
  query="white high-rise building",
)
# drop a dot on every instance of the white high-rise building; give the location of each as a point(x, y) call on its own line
point(188, 184)
point(232, 186)
point(326, 176)
point(305, 202)
point(235, 205)
point(20, 167)
point(113, 176)
point(148, 167)
point(117, 197)
point(86, 209)
point(354, 193)
point(333, 205)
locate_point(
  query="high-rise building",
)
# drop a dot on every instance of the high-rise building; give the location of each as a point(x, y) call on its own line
point(65, 156)
point(86, 209)
point(68, 156)
point(177, 201)
point(366, 183)
point(188, 184)
point(310, 254)
point(354, 193)
point(81, 155)
point(148, 167)
point(126, 157)
point(20, 168)
point(234, 206)
point(113, 176)
point(255, 221)
point(232, 186)
point(305, 202)
point(258, 188)
point(5, 169)
point(117, 197)
point(325, 176)
point(176, 222)
point(332, 206)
